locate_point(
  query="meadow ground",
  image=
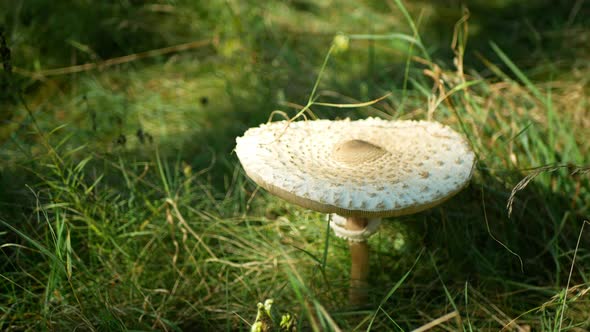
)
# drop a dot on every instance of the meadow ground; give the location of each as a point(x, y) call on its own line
point(123, 207)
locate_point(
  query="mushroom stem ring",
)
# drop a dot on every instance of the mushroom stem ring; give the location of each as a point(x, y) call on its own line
point(354, 234)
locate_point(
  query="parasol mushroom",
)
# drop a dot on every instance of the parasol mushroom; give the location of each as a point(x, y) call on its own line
point(360, 170)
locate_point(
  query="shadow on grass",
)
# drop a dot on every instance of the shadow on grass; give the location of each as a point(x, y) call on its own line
point(541, 36)
point(476, 255)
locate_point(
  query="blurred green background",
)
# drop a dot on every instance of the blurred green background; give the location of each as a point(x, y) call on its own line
point(123, 207)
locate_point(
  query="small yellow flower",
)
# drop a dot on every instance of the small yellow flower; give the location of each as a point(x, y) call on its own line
point(340, 43)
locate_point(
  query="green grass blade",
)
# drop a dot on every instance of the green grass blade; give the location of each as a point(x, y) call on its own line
point(519, 73)
point(393, 289)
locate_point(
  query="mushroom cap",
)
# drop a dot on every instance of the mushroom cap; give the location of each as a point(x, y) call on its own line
point(364, 168)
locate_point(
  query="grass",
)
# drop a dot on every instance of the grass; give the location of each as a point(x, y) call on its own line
point(123, 207)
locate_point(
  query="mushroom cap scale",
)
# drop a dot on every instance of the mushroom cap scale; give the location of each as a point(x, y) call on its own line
point(364, 168)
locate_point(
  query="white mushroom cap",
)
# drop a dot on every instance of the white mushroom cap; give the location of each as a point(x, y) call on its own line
point(364, 168)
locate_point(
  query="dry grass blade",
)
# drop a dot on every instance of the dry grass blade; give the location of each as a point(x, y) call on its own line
point(573, 170)
point(189, 229)
point(437, 322)
point(569, 279)
point(41, 75)
point(368, 103)
point(493, 312)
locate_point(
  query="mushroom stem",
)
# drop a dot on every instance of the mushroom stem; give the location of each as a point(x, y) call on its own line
point(359, 269)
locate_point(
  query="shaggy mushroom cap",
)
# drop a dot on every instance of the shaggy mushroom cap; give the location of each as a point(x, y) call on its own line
point(364, 168)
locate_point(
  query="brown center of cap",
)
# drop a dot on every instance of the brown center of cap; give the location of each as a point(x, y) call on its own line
point(356, 152)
